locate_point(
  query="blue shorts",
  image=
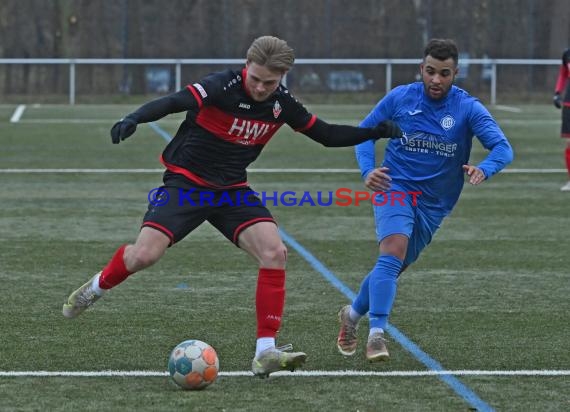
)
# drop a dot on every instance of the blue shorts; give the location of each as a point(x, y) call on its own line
point(398, 212)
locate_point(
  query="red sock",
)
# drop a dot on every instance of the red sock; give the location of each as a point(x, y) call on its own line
point(567, 153)
point(269, 301)
point(115, 271)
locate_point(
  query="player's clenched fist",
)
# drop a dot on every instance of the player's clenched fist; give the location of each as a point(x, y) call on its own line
point(123, 129)
point(387, 130)
point(557, 100)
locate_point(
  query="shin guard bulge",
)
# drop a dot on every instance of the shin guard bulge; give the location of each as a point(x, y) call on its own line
point(269, 301)
point(115, 272)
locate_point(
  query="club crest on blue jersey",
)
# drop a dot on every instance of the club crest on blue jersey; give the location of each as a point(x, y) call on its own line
point(447, 122)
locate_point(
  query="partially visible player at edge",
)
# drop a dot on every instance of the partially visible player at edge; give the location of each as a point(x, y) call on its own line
point(231, 115)
point(562, 101)
point(439, 121)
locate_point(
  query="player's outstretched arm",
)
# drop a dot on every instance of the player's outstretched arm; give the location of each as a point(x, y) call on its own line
point(152, 111)
point(336, 135)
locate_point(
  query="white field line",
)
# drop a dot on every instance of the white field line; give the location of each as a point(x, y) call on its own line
point(24, 171)
point(315, 373)
point(18, 113)
point(508, 108)
point(277, 170)
point(352, 121)
point(68, 121)
point(109, 122)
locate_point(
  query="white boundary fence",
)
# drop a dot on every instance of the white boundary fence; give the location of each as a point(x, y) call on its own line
point(177, 63)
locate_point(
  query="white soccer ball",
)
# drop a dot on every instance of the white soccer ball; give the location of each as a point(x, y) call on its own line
point(193, 364)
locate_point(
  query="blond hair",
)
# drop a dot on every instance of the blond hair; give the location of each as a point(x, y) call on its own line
point(271, 52)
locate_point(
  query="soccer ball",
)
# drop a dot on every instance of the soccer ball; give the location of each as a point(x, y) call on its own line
point(193, 364)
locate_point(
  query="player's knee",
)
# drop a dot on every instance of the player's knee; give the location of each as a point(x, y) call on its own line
point(137, 258)
point(275, 256)
point(395, 245)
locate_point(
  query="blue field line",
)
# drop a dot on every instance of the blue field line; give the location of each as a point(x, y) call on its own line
point(454, 383)
point(410, 346)
point(160, 131)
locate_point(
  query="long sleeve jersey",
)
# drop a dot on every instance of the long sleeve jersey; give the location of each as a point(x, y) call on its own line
point(438, 142)
point(225, 130)
point(563, 73)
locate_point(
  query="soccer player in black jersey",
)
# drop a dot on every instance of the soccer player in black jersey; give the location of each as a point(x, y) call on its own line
point(562, 101)
point(230, 116)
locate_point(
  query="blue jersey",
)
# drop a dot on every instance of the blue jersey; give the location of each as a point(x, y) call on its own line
point(438, 141)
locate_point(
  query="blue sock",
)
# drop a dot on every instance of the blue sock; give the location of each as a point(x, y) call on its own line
point(382, 285)
point(361, 303)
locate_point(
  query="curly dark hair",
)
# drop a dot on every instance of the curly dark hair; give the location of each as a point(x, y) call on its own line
point(442, 49)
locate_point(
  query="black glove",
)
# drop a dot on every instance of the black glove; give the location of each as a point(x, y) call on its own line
point(387, 130)
point(557, 100)
point(123, 129)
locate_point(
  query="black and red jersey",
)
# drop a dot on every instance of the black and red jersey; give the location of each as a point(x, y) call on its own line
point(563, 74)
point(226, 130)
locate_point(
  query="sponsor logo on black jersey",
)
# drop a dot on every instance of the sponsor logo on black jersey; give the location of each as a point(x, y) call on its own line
point(249, 129)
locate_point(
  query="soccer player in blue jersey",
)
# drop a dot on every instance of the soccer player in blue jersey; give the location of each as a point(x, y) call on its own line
point(439, 121)
point(230, 117)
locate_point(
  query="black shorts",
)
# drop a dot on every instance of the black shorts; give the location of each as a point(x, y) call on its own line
point(177, 211)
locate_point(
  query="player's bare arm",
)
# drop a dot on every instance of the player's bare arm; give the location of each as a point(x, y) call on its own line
point(378, 179)
point(475, 174)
